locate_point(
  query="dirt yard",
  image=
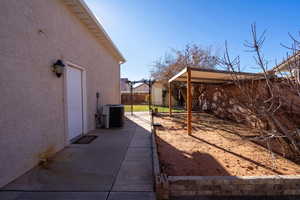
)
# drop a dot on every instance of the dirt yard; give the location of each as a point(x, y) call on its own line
point(215, 148)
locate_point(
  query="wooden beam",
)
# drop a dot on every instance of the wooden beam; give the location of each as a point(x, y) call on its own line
point(150, 96)
point(178, 75)
point(189, 101)
point(131, 98)
point(170, 100)
point(223, 71)
point(208, 79)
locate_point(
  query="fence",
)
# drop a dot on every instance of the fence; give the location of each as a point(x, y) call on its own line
point(137, 98)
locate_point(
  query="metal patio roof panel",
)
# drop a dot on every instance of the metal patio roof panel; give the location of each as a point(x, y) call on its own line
point(211, 75)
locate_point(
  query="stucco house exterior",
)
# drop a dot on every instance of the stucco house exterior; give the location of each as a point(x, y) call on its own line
point(158, 96)
point(125, 88)
point(41, 112)
point(141, 93)
point(141, 88)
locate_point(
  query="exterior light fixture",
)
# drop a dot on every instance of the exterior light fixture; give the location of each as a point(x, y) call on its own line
point(58, 68)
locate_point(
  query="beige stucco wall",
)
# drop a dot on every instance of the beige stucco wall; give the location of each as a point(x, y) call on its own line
point(157, 92)
point(33, 35)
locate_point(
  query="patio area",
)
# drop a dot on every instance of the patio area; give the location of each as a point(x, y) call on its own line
point(116, 165)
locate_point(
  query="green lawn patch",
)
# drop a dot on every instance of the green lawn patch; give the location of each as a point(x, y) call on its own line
point(144, 108)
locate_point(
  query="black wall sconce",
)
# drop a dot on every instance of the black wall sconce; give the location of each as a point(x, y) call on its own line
point(58, 68)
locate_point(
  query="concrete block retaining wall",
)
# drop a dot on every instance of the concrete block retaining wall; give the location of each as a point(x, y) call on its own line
point(233, 185)
point(161, 180)
point(167, 187)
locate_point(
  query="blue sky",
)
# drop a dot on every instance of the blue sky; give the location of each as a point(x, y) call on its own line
point(145, 30)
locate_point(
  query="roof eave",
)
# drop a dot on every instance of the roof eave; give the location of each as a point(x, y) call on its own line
point(181, 76)
point(284, 65)
point(85, 15)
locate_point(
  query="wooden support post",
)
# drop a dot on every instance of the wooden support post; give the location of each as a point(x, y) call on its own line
point(170, 100)
point(131, 98)
point(150, 96)
point(189, 101)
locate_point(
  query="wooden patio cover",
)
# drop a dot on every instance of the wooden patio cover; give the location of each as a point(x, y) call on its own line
point(206, 76)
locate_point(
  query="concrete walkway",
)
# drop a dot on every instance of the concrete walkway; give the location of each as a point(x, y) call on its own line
point(117, 165)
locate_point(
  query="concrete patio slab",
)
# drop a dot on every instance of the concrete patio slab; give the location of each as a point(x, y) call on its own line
point(131, 196)
point(117, 162)
point(138, 154)
point(85, 167)
point(136, 173)
point(141, 141)
point(74, 170)
point(134, 176)
point(53, 195)
point(9, 195)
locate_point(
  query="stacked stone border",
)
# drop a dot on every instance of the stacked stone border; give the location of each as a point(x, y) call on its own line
point(233, 185)
point(161, 180)
point(167, 187)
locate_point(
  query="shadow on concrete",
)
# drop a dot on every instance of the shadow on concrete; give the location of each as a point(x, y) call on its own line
point(81, 167)
point(116, 165)
point(140, 117)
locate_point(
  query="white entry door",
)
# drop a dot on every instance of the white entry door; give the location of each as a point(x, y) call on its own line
point(74, 102)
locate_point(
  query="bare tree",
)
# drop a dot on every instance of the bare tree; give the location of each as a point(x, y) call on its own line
point(192, 55)
point(267, 98)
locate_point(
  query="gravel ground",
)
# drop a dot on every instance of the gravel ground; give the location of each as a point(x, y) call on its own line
point(240, 198)
point(215, 148)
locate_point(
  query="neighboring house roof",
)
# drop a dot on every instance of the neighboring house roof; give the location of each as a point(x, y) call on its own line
point(124, 86)
point(85, 15)
point(291, 61)
point(142, 88)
